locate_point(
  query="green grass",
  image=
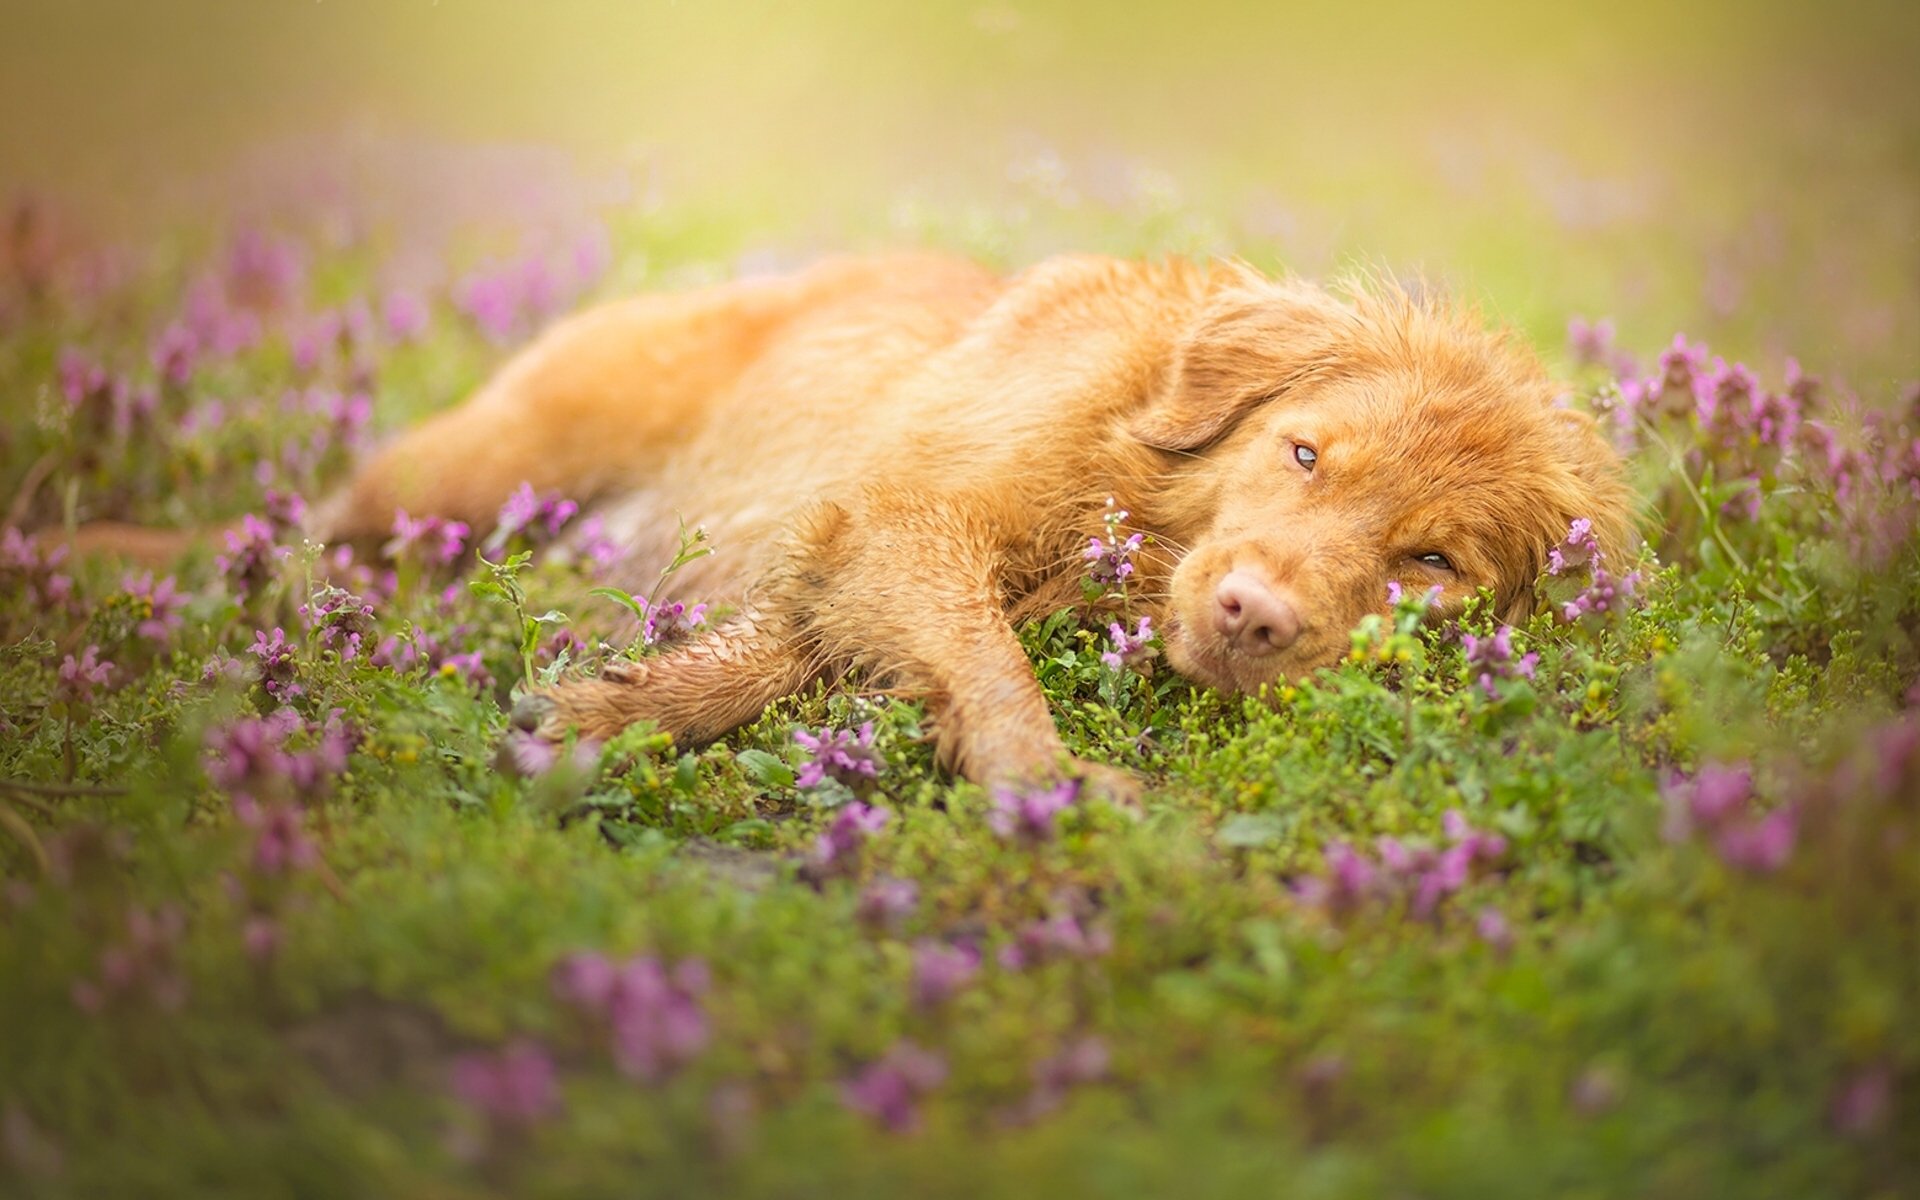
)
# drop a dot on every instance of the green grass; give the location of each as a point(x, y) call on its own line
point(1654, 1022)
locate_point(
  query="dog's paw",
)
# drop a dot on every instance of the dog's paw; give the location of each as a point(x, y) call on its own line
point(624, 671)
point(1117, 787)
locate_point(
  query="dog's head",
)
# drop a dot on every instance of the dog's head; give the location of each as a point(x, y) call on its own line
point(1343, 446)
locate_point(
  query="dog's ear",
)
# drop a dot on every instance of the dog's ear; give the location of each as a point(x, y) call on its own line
point(1586, 481)
point(1253, 341)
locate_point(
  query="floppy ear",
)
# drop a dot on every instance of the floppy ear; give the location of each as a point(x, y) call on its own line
point(1252, 341)
point(1589, 482)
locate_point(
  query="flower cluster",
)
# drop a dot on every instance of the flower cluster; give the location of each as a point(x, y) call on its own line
point(514, 1089)
point(506, 300)
point(531, 516)
point(666, 621)
point(889, 1089)
point(1028, 815)
point(342, 620)
point(142, 966)
point(1110, 560)
point(1604, 592)
point(1060, 936)
point(252, 557)
point(430, 540)
point(846, 756)
point(79, 676)
point(1422, 876)
point(158, 607)
point(887, 902)
point(853, 823)
point(1719, 802)
point(33, 571)
point(1083, 1060)
point(1126, 650)
point(252, 760)
point(653, 1015)
point(279, 670)
point(941, 970)
point(1491, 658)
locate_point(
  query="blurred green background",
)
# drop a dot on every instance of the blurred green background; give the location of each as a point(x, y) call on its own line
point(1747, 172)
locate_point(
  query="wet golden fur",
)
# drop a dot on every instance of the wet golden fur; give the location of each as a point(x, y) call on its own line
point(899, 457)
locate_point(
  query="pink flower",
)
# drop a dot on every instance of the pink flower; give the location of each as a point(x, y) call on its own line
point(852, 825)
point(159, 605)
point(653, 1015)
point(889, 1090)
point(78, 677)
point(846, 756)
point(940, 971)
point(886, 902)
point(514, 1089)
point(1128, 650)
point(1579, 549)
point(432, 539)
point(1028, 816)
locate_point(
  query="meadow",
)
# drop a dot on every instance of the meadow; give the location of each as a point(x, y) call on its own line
point(1621, 900)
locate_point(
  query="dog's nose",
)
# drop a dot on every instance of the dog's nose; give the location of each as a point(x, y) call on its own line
point(1251, 615)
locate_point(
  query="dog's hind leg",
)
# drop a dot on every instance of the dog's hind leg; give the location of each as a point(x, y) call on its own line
point(596, 403)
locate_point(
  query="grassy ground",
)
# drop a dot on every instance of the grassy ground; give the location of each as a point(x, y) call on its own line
point(286, 911)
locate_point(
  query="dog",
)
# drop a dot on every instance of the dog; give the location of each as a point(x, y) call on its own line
point(901, 458)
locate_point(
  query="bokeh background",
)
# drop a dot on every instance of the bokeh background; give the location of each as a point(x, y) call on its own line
point(1748, 172)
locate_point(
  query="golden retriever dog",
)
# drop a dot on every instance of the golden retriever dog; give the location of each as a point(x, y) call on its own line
point(900, 458)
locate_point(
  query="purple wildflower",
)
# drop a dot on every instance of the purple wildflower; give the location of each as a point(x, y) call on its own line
point(1859, 1105)
point(666, 621)
point(262, 271)
point(342, 619)
point(531, 756)
point(1719, 802)
point(846, 756)
point(597, 548)
point(1128, 650)
point(79, 676)
point(33, 571)
point(279, 672)
point(653, 1014)
point(1762, 845)
point(1028, 815)
point(1579, 549)
point(852, 825)
point(431, 539)
point(1061, 936)
point(1603, 594)
point(1493, 929)
point(887, 902)
point(1423, 875)
point(1491, 658)
point(405, 316)
point(514, 1090)
point(157, 605)
point(1110, 560)
point(889, 1089)
point(253, 555)
point(534, 516)
point(142, 965)
point(280, 844)
point(940, 971)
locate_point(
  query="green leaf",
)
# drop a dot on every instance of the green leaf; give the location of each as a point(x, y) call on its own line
point(1245, 830)
point(765, 769)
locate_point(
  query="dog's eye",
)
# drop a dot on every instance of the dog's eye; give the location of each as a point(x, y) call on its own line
point(1306, 456)
point(1434, 559)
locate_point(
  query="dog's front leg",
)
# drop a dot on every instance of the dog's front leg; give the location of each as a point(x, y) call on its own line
point(908, 587)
